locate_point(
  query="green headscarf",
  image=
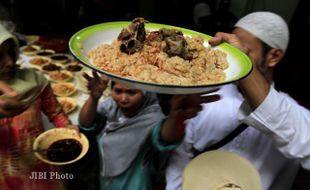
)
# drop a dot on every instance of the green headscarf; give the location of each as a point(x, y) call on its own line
point(26, 82)
point(5, 35)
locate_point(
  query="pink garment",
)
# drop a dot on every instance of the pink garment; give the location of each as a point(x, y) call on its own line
point(17, 134)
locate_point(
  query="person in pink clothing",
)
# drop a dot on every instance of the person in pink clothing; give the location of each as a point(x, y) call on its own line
point(24, 95)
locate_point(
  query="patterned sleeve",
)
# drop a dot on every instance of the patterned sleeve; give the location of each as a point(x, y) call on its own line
point(52, 109)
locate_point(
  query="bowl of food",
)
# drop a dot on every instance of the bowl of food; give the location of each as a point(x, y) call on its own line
point(60, 76)
point(60, 58)
point(45, 52)
point(60, 146)
point(30, 49)
point(39, 61)
point(158, 57)
point(63, 89)
point(50, 67)
point(68, 104)
point(74, 68)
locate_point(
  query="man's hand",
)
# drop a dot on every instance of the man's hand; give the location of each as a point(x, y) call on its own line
point(232, 39)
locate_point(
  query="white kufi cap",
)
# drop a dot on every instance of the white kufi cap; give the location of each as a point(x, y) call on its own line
point(268, 27)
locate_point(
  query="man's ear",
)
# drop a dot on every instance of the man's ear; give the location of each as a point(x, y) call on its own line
point(274, 56)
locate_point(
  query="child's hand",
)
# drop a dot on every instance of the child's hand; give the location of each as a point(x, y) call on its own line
point(96, 85)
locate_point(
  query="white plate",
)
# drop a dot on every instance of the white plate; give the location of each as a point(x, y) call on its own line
point(88, 38)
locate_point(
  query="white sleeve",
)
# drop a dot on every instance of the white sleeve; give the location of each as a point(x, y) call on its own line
point(178, 160)
point(285, 122)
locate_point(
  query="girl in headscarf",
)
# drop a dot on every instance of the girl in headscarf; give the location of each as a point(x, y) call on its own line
point(18, 132)
point(129, 126)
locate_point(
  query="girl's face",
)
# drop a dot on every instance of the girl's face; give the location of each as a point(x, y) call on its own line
point(7, 60)
point(127, 99)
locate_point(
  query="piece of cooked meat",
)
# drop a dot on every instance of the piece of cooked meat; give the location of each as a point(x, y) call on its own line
point(176, 44)
point(133, 36)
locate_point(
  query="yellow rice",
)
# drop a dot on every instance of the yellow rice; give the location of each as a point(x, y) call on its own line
point(152, 64)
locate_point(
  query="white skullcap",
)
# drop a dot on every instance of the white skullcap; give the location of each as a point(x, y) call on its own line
point(268, 27)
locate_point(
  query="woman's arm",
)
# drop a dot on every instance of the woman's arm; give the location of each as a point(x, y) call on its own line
point(52, 109)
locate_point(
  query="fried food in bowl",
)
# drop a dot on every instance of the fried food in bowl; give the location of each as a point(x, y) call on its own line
point(63, 89)
point(68, 104)
point(40, 61)
point(30, 49)
point(61, 76)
